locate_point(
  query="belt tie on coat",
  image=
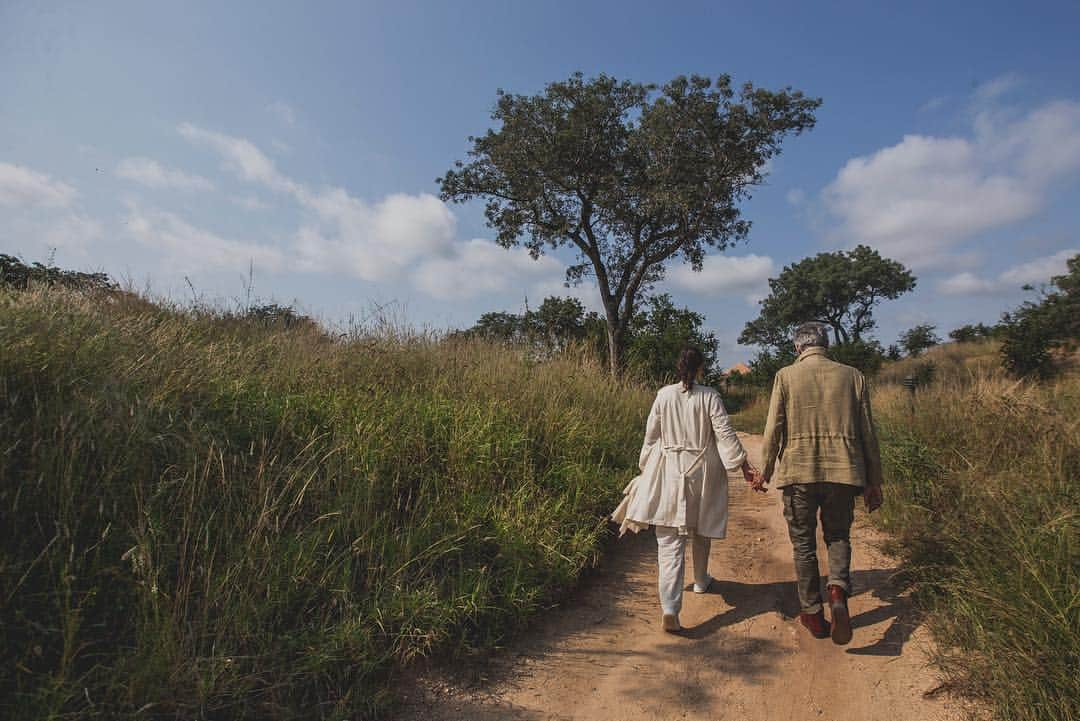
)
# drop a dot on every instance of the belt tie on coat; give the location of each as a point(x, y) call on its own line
point(680, 449)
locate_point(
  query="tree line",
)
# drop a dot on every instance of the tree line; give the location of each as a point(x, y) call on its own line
point(840, 289)
point(654, 334)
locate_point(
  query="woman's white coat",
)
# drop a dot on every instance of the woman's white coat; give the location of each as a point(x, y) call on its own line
point(689, 447)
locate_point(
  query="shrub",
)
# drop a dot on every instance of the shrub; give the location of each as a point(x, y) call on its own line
point(867, 356)
point(16, 274)
point(918, 339)
point(1035, 330)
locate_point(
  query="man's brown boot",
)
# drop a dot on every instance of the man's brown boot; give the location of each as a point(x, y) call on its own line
point(841, 620)
point(816, 623)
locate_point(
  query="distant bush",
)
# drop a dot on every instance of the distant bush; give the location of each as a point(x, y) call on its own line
point(918, 339)
point(867, 356)
point(272, 314)
point(1034, 331)
point(16, 274)
point(969, 333)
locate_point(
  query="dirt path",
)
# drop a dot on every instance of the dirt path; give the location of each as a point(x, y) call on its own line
point(743, 657)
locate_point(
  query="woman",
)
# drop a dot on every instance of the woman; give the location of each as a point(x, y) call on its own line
point(682, 490)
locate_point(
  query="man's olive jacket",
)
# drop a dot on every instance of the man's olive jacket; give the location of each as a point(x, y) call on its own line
point(820, 427)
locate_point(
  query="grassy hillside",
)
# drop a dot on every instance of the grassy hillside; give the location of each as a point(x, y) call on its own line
point(207, 517)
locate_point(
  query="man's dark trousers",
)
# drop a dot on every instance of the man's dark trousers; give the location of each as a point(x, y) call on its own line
point(836, 502)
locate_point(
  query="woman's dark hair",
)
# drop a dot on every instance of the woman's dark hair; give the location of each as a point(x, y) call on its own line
point(690, 360)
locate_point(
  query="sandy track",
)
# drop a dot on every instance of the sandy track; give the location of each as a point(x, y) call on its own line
point(744, 656)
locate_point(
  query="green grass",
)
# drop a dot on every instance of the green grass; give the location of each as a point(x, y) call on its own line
point(983, 501)
point(752, 416)
point(205, 517)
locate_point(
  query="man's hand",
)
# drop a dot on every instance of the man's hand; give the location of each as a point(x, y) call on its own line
point(761, 484)
point(872, 497)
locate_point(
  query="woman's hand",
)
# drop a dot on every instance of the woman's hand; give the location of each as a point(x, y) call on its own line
point(753, 476)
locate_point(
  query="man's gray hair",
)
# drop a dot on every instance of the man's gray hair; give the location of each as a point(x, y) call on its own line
point(809, 335)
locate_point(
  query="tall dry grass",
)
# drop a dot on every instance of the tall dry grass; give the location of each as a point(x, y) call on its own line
point(205, 517)
point(983, 501)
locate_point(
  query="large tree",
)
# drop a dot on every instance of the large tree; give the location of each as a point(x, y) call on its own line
point(840, 289)
point(627, 174)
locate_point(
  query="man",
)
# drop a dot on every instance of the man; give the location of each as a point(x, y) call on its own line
point(821, 444)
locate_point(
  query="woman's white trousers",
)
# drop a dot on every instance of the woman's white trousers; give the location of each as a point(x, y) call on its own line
point(671, 555)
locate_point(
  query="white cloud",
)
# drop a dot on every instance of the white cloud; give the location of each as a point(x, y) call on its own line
point(1033, 272)
point(721, 275)
point(24, 188)
point(967, 283)
point(480, 267)
point(240, 156)
point(188, 248)
point(249, 202)
point(399, 237)
point(917, 200)
point(995, 88)
point(149, 172)
point(796, 196)
point(283, 111)
point(555, 285)
point(373, 242)
point(1039, 270)
point(72, 235)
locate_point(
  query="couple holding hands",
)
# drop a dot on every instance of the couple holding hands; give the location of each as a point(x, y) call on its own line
point(820, 447)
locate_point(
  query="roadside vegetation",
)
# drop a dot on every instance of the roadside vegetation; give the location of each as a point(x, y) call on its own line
point(209, 514)
point(983, 502)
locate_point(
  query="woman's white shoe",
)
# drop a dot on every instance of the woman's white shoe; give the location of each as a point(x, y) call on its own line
point(671, 623)
point(703, 587)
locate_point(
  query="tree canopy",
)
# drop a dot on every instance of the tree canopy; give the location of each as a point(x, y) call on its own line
point(627, 174)
point(1034, 330)
point(659, 330)
point(550, 328)
point(840, 289)
point(921, 337)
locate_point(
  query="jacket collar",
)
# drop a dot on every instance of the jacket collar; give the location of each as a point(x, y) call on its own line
point(812, 351)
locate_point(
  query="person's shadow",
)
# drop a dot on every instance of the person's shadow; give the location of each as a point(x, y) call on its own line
point(754, 599)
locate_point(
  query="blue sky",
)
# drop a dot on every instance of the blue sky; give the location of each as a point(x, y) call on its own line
point(177, 143)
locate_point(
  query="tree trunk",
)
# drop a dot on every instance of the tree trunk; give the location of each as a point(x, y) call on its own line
point(615, 342)
point(615, 349)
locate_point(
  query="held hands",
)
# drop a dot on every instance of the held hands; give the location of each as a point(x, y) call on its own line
point(753, 476)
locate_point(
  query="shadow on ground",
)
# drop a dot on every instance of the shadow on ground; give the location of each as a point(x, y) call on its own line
point(748, 600)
